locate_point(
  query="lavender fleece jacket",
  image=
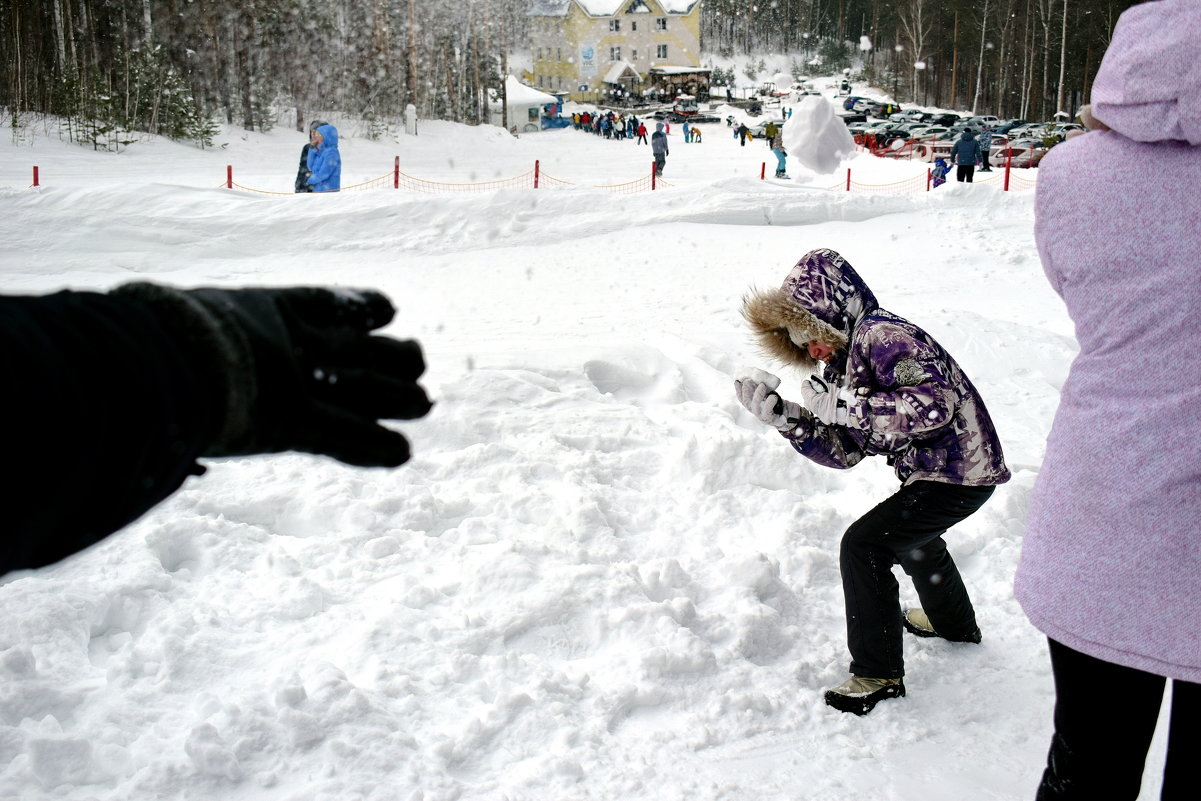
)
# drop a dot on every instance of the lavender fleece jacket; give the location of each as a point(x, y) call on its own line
point(1111, 561)
point(913, 404)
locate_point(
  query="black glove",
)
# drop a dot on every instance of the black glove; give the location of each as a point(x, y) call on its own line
point(300, 368)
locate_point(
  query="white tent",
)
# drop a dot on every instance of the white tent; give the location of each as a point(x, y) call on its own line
point(525, 106)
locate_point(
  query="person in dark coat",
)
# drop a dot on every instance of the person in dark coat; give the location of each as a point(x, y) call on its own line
point(889, 389)
point(965, 154)
point(113, 397)
point(659, 148)
point(303, 173)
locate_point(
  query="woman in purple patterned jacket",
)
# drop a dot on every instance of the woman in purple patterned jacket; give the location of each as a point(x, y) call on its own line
point(1111, 561)
point(887, 389)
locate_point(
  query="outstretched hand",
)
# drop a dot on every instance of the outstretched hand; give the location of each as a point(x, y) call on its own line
point(322, 380)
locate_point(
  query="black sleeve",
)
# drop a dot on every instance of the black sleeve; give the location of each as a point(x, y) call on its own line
point(106, 413)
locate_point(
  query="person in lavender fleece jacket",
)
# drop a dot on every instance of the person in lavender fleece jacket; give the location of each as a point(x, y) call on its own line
point(1111, 560)
point(887, 389)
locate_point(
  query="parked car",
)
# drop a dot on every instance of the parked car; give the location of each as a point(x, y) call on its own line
point(759, 129)
point(1005, 126)
point(848, 103)
point(1019, 152)
point(945, 118)
point(980, 121)
point(929, 131)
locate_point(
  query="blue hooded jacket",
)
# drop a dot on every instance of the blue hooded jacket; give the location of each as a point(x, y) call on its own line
point(325, 162)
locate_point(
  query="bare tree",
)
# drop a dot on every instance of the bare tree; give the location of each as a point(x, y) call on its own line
point(917, 21)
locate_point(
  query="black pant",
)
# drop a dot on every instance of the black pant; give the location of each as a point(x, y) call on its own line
point(905, 529)
point(965, 172)
point(660, 163)
point(1105, 715)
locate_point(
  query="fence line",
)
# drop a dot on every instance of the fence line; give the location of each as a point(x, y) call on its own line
point(537, 179)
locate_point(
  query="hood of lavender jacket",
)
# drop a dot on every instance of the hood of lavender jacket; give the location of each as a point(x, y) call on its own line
point(1111, 556)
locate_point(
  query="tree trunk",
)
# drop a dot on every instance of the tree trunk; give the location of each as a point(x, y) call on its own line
point(1063, 56)
point(980, 63)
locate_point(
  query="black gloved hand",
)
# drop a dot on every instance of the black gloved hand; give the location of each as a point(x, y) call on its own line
point(302, 370)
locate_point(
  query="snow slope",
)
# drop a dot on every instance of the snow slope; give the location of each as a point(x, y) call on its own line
point(598, 578)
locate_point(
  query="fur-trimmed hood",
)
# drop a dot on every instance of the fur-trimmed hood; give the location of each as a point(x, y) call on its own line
point(821, 300)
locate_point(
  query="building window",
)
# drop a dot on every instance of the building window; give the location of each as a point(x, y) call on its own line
point(558, 54)
point(615, 25)
point(615, 54)
point(661, 51)
point(633, 25)
point(661, 23)
point(633, 55)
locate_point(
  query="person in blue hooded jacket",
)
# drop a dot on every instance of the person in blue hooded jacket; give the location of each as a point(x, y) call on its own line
point(966, 154)
point(325, 162)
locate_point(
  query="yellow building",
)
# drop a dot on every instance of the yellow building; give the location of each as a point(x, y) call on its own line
point(601, 50)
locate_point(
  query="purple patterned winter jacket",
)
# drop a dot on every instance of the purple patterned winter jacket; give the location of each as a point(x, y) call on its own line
point(913, 403)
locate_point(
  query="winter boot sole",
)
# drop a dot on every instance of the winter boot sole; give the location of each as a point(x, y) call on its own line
point(918, 631)
point(862, 704)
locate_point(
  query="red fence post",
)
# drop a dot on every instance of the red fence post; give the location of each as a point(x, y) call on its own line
point(35, 175)
point(763, 171)
point(654, 171)
point(396, 173)
point(848, 179)
point(229, 176)
point(1008, 162)
point(928, 175)
point(536, 169)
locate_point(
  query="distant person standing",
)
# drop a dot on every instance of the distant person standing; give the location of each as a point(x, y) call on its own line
point(303, 173)
point(769, 133)
point(743, 131)
point(985, 147)
point(777, 147)
point(642, 133)
point(325, 162)
point(659, 148)
point(687, 132)
point(965, 155)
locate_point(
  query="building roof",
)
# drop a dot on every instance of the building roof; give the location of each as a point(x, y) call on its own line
point(607, 8)
point(619, 69)
point(520, 95)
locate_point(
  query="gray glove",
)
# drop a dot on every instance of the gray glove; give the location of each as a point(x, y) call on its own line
point(766, 405)
point(827, 405)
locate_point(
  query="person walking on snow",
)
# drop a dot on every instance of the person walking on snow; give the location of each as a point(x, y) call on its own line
point(659, 148)
point(642, 133)
point(965, 154)
point(889, 389)
point(1111, 558)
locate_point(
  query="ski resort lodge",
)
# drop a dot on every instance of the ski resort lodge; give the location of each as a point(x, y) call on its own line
point(613, 50)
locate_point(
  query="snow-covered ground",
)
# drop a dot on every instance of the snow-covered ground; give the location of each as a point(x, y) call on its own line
point(599, 578)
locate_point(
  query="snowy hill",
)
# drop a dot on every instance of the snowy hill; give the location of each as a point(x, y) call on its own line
point(599, 578)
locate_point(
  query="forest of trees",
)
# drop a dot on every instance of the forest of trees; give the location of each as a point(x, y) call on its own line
point(108, 68)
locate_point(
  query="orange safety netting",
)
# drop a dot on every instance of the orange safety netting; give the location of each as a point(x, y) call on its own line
point(915, 184)
point(527, 180)
point(382, 182)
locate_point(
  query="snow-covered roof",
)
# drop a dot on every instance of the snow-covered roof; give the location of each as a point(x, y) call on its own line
point(619, 69)
point(521, 95)
point(607, 8)
point(677, 70)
